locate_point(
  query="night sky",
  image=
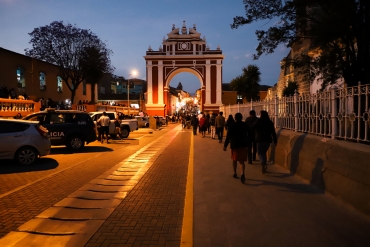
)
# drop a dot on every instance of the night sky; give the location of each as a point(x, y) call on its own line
point(128, 27)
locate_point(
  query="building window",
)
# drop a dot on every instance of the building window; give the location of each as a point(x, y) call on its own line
point(84, 88)
point(20, 78)
point(42, 81)
point(239, 97)
point(59, 84)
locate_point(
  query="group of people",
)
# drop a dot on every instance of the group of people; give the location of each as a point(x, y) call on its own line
point(249, 138)
point(246, 138)
point(212, 124)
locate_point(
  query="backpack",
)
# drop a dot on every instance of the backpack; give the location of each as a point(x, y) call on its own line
point(212, 121)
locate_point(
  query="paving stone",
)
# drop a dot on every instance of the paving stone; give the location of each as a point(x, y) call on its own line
point(82, 203)
point(98, 195)
point(76, 213)
point(106, 188)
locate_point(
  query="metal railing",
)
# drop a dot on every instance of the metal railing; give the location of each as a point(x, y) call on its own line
point(337, 113)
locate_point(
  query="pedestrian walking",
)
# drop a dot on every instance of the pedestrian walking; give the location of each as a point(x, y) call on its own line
point(264, 135)
point(195, 123)
point(208, 126)
point(229, 121)
point(237, 136)
point(220, 125)
point(203, 125)
point(117, 126)
point(200, 115)
point(212, 123)
point(104, 122)
point(252, 147)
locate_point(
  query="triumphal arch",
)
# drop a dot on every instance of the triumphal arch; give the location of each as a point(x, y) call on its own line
point(183, 51)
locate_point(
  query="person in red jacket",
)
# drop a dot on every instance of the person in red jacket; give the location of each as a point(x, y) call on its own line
point(237, 135)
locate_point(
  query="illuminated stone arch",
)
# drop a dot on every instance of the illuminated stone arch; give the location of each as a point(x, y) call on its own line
point(185, 52)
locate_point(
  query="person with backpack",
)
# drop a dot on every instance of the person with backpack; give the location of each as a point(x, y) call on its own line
point(237, 135)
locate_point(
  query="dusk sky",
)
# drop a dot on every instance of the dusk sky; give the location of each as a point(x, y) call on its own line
point(129, 27)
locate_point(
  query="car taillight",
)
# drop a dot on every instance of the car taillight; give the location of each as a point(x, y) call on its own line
point(42, 131)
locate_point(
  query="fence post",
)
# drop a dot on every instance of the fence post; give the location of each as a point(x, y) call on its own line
point(238, 107)
point(276, 111)
point(334, 113)
point(296, 110)
point(251, 105)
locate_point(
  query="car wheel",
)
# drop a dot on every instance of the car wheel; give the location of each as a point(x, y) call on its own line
point(125, 133)
point(76, 143)
point(26, 156)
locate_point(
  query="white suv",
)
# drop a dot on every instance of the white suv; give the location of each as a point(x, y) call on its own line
point(23, 141)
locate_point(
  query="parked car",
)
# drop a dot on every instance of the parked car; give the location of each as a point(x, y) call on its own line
point(23, 141)
point(126, 125)
point(142, 121)
point(66, 127)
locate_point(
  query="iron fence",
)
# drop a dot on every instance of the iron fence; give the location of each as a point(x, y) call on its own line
point(337, 113)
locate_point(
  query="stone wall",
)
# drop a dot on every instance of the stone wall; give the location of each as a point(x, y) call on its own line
point(339, 168)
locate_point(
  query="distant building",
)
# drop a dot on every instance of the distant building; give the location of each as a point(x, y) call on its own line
point(115, 89)
point(230, 97)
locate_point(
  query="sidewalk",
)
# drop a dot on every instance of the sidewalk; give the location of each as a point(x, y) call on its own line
point(272, 209)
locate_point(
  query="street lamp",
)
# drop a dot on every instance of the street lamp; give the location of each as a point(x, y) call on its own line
point(128, 90)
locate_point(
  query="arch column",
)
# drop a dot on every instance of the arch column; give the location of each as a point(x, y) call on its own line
point(149, 81)
point(219, 83)
point(208, 82)
point(160, 82)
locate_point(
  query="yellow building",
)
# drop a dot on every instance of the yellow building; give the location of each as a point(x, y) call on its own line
point(36, 78)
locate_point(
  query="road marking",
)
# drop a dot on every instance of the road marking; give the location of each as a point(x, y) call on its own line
point(187, 223)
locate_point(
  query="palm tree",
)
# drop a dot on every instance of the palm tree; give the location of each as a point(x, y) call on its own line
point(247, 84)
point(94, 64)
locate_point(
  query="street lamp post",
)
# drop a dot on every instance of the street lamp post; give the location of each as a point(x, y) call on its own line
point(128, 90)
point(128, 95)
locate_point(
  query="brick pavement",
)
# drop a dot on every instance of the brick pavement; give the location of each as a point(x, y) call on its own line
point(152, 212)
point(24, 204)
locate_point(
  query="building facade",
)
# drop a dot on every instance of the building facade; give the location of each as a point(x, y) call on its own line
point(37, 79)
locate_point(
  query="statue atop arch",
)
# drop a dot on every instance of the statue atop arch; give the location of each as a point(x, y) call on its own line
point(175, 33)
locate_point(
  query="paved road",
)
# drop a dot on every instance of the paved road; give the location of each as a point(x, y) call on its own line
point(148, 188)
point(27, 191)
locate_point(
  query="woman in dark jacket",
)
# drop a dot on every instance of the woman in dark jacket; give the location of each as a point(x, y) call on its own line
point(194, 122)
point(230, 120)
point(237, 136)
point(264, 135)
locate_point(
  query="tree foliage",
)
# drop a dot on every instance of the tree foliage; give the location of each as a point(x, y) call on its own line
point(69, 47)
point(290, 89)
point(247, 84)
point(94, 63)
point(336, 31)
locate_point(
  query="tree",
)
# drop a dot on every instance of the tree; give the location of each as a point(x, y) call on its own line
point(247, 84)
point(66, 46)
point(94, 63)
point(336, 32)
point(290, 89)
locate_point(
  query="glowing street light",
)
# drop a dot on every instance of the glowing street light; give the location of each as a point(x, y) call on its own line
point(133, 73)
